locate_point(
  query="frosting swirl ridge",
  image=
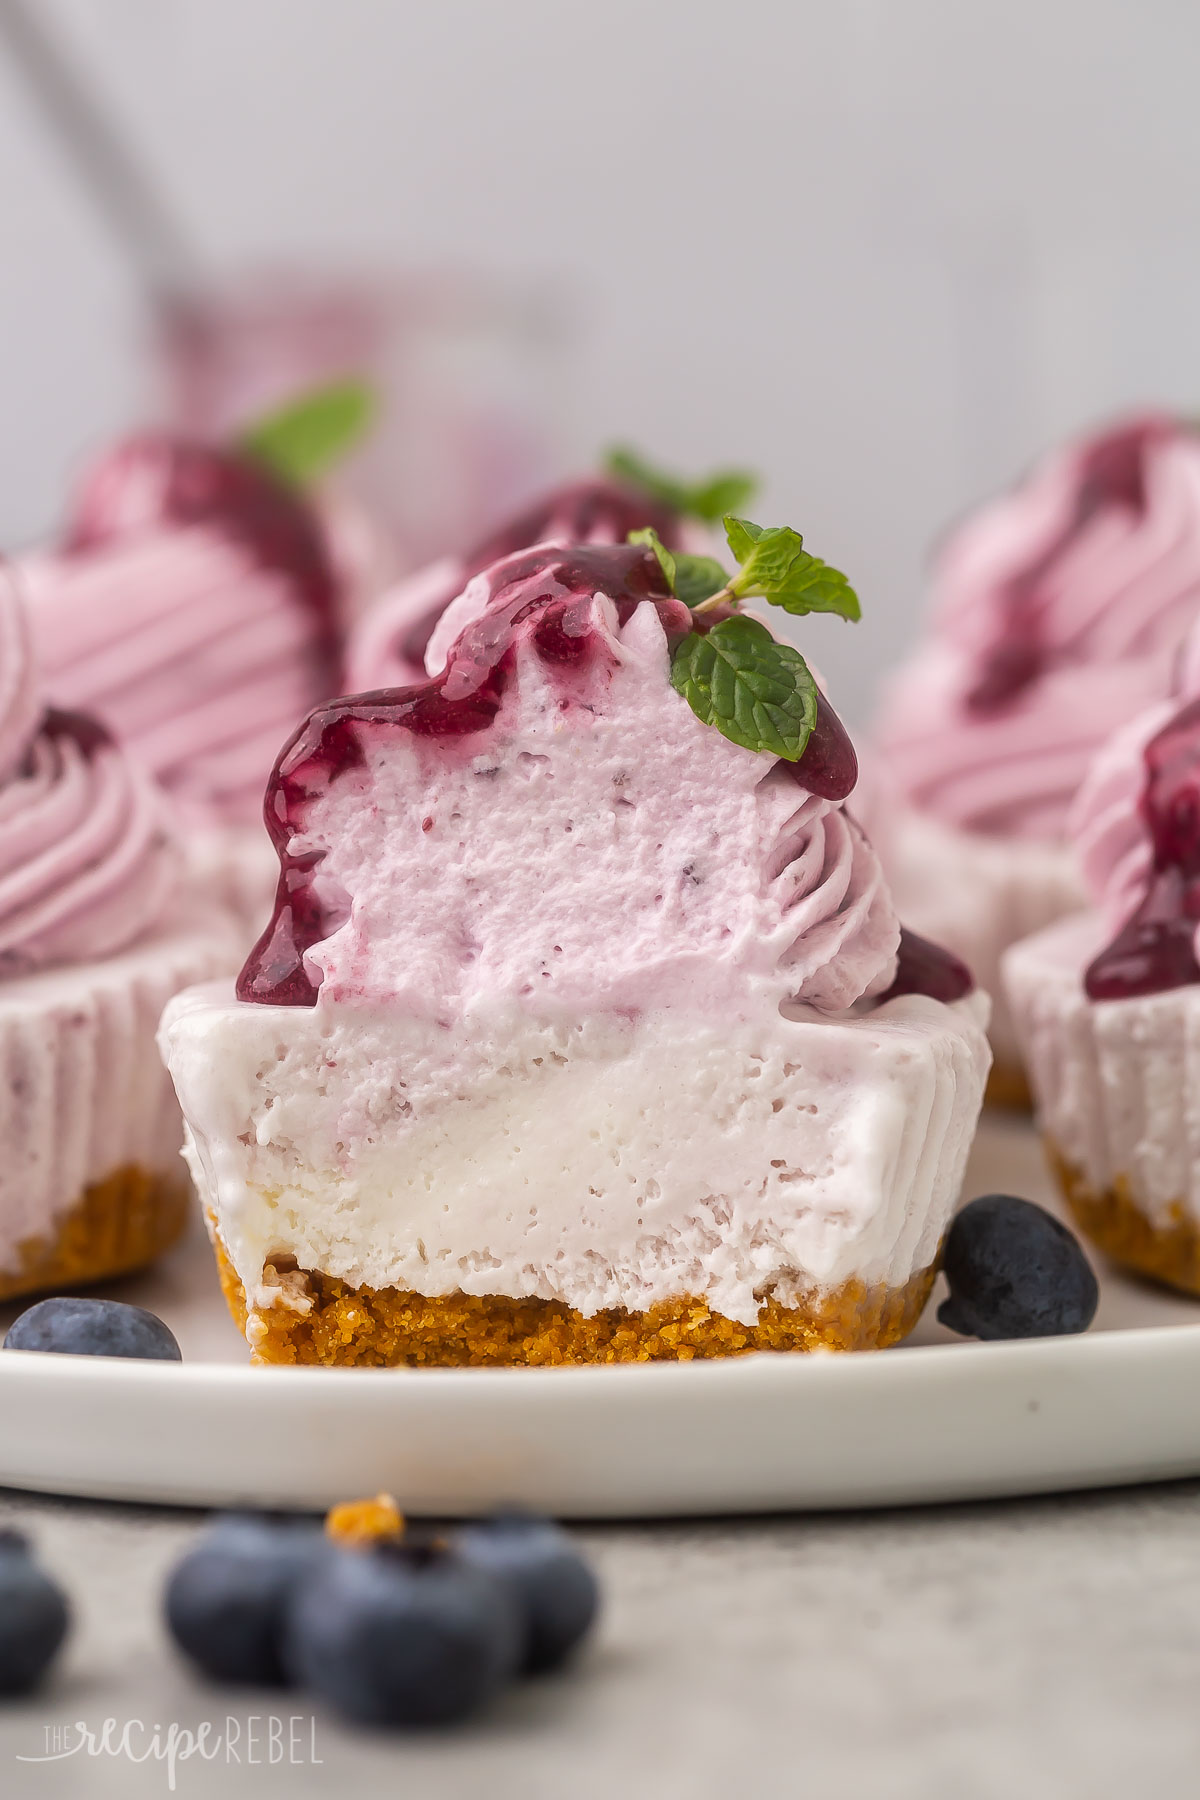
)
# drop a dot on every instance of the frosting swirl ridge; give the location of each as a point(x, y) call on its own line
point(88, 860)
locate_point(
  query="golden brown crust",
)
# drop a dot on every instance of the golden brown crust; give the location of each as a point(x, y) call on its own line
point(1117, 1224)
point(1008, 1087)
point(387, 1328)
point(116, 1226)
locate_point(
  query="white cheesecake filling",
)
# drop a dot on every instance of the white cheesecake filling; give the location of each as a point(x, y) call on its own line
point(977, 895)
point(1116, 1082)
point(610, 1162)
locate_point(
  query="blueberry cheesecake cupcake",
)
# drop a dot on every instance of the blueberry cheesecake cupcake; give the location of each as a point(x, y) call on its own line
point(96, 934)
point(583, 1028)
point(1107, 1002)
point(1059, 612)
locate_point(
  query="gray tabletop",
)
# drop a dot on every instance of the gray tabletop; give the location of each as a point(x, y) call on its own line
point(1047, 1648)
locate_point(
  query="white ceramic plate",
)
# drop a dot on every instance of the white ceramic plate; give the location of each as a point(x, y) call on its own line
point(936, 1419)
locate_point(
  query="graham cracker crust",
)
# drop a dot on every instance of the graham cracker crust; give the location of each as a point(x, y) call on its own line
point(1116, 1223)
point(393, 1328)
point(1008, 1087)
point(117, 1225)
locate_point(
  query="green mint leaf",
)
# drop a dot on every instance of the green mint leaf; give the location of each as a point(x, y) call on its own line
point(698, 578)
point(722, 493)
point(708, 500)
point(757, 692)
point(304, 438)
point(650, 540)
point(777, 567)
point(741, 536)
point(690, 578)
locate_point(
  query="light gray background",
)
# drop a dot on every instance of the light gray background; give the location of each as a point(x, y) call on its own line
point(882, 248)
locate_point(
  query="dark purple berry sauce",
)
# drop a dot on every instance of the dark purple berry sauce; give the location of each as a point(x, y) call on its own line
point(158, 478)
point(1155, 949)
point(86, 733)
point(543, 593)
point(597, 510)
point(1112, 474)
point(925, 968)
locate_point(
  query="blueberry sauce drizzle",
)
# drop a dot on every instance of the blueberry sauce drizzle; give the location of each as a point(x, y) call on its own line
point(158, 478)
point(85, 732)
point(580, 512)
point(925, 968)
point(1112, 475)
point(546, 593)
point(1155, 948)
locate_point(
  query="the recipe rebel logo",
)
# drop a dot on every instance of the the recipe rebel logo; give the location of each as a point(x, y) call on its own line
point(257, 1740)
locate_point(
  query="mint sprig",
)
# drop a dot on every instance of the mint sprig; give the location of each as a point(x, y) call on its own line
point(777, 568)
point(722, 492)
point(757, 692)
point(301, 440)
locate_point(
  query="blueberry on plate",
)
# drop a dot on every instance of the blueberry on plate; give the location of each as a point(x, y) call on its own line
point(1015, 1272)
point(225, 1601)
point(33, 1616)
point(555, 1589)
point(405, 1634)
point(80, 1327)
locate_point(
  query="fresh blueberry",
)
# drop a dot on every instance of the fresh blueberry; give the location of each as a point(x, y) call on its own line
point(79, 1327)
point(33, 1616)
point(555, 1590)
point(225, 1601)
point(1015, 1272)
point(403, 1635)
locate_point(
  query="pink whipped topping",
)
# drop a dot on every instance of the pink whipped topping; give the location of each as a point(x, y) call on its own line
point(388, 649)
point(1060, 611)
point(191, 610)
point(548, 823)
point(89, 863)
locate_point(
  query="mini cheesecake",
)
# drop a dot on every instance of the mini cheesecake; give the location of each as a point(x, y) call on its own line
point(1107, 1002)
point(1060, 611)
point(579, 1032)
point(96, 935)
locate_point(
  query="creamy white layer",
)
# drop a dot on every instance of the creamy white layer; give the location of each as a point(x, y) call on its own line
point(82, 1089)
point(1116, 1082)
point(609, 1162)
point(977, 895)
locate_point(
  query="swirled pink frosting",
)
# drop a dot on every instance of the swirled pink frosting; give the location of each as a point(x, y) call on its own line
point(88, 861)
point(388, 647)
point(548, 824)
point(1060, 611)
point(191, 610)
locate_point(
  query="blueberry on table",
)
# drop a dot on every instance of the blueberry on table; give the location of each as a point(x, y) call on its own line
point(81, 1327)
point(225, 1601)
point(403, 1635)
point(554, 1588)
point(33, 1616)
point(1015, 1272)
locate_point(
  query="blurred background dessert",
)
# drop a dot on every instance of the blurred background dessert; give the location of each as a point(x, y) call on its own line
point(98, 929)
point(1060, 610)
point(989, 247)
